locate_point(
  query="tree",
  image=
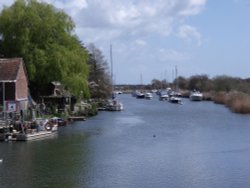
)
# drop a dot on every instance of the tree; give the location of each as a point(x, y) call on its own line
point(43, 37)
point(200, 82)
point(182, 82)
point(99, 76)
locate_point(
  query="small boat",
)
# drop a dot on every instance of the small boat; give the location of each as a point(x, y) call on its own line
point(34, 135)
point(163, 97)
point(175, 96)
point(140, 95)
point(148, 96)
point(175, 99)
point(43, 128)
point(114, 105)
point(196, 96)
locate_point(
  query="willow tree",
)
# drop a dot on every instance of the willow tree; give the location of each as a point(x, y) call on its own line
point(44, 37)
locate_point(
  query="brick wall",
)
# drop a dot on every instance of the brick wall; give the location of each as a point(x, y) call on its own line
point(21, 84)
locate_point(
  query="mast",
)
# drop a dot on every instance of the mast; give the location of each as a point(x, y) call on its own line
point(176, 74)
point(111, 62)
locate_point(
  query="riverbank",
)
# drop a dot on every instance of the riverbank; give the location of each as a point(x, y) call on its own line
point(236, 101)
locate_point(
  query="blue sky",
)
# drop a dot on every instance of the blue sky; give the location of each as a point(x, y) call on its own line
point(150, 38)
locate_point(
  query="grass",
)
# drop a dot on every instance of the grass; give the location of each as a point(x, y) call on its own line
point(237, 102)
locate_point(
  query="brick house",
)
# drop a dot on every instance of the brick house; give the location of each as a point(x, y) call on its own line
point(13, 84)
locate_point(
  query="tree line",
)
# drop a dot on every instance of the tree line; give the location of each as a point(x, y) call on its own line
point(198, 82)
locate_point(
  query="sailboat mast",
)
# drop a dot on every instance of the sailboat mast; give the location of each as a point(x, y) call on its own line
point(111, 62)
point(176, 74)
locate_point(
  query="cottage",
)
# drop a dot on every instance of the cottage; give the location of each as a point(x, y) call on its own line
point(13, 85)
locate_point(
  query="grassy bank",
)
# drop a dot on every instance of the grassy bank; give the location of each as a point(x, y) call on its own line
point(236, 101)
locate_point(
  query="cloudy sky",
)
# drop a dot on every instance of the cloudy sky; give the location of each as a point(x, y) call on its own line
point(152, 37)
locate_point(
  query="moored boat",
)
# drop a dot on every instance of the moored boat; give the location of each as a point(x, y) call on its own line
point(140, 95)
point(163, 95)
point(37, 129)
point(34, 135)
point(148, 96)
point(196, 96)
point(175, 99)
point(114, 105)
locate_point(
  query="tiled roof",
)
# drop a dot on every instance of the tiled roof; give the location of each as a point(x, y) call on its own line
point(9, 69)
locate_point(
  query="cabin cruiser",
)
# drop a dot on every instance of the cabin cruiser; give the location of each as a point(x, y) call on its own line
point(196, 96)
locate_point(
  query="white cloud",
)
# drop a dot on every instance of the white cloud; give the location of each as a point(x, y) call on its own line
point(132, 18)
point(141, 42)
point(189, 33)
point(172, 55)
point(193, 7)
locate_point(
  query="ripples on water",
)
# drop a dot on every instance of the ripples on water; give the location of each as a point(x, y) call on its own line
point(151, 143)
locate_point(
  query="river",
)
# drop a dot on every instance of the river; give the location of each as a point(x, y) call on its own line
point(151, 144)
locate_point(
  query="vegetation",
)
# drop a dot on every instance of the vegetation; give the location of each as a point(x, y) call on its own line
point(43, 37)
point(236, 101)
point(99, 76)
point(233, 92)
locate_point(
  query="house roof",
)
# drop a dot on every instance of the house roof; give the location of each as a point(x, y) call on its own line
point(9, 69)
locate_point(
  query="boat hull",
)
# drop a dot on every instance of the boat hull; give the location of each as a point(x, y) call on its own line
point(34, 136)
point(175, 100)
point(196, 96)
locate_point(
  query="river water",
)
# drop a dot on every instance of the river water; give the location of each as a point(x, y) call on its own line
point(151, 144)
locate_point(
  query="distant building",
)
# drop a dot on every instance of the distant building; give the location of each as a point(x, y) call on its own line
point(13, 84)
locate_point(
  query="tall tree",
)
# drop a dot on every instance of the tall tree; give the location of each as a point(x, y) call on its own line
point(99, 76)
point(43, 36)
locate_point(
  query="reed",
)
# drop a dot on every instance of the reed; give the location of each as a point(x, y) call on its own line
point(207, 96)
point(220, 98)
point(237, 102)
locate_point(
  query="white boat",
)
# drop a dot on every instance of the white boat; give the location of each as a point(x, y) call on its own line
point(175, 96)
point(196, 96)
point(140, 95)
point(114, 105)
point(148, 96)
point(164, 94)
point(44, 128)
point(175, 99)
point(163, 97)
point(34, 135)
